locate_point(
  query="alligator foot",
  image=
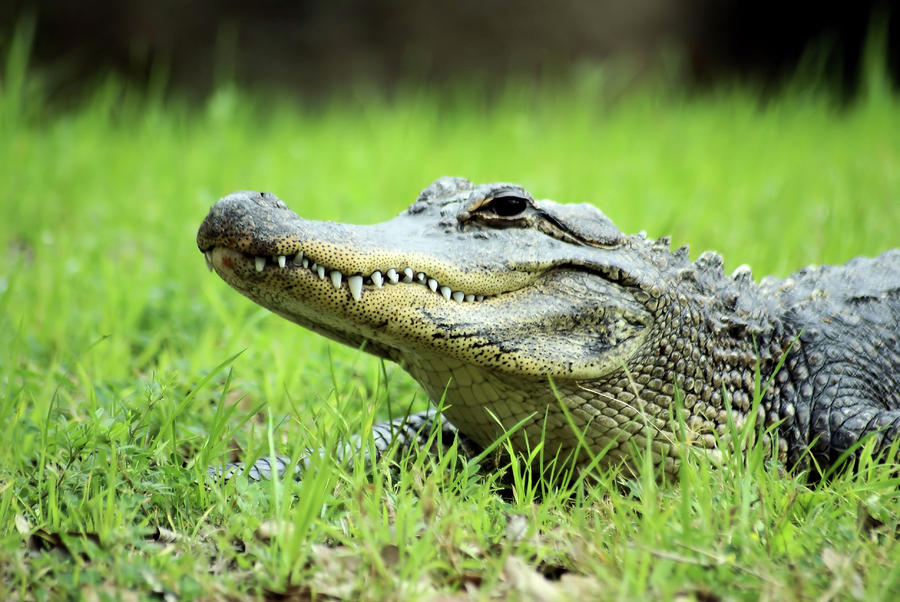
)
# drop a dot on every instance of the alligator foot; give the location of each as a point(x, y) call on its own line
point(411, 431)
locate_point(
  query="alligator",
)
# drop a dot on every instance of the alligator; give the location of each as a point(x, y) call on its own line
point(545, 321)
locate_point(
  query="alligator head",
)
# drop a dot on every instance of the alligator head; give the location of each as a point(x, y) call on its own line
point(479, 291)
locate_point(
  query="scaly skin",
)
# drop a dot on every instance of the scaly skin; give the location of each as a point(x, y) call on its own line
point(507, 294)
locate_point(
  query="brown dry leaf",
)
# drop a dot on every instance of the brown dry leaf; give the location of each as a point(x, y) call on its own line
point(579, 587)
point(845, 578)
point(834, 561)
point(528, 583)
point(22, 525)
point(108, 591)
point(268, 529)
point(337, 572)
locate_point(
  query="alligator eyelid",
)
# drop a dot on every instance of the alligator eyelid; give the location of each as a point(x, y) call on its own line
point(572, 237)
point(546, 216)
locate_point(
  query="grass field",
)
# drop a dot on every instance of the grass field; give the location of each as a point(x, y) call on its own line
point(126, 368)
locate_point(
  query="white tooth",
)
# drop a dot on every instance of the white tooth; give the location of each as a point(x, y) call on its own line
point(393, 276)
point(377, 279)
point(298, 258)
point(282, 261)
point(458, 296)
point(320, 271)
point(335, 278)
point(260, 263)
point(355, 285)
point(479, 297)
point(420, 277)
point(305, 262)
point(408, 274)
point(432, 284)
point(209, 264)
point(445, 290)
point(470, 298)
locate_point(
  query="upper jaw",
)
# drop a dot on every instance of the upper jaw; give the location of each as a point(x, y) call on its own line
point(407, 249)
point(462, 266)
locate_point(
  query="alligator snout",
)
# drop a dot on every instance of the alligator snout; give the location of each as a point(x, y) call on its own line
point(247, 221)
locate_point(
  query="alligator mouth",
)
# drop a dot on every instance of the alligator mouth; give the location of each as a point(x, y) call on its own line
point(357, 284)
point(401, 313)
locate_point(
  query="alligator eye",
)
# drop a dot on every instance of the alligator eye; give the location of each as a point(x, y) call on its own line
point(507, 206)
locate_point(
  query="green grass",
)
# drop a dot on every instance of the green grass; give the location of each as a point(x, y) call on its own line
point(123, 361)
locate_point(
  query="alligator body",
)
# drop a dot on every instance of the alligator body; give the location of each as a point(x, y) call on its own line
point(508, 309)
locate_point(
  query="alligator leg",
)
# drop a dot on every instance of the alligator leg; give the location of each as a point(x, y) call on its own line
point(407, 432)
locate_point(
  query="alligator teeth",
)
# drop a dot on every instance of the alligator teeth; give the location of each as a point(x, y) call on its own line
point(209, 264)
point(260, 263)
point(355, 285)
point(357, 282)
